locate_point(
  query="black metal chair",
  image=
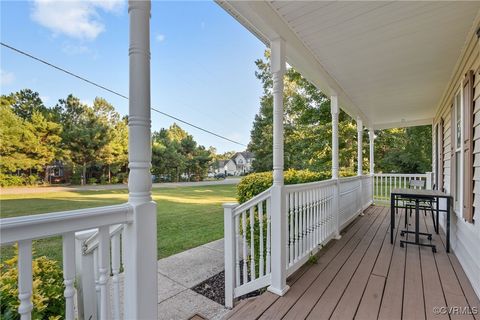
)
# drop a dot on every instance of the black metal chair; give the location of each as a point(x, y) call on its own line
point(424, 205)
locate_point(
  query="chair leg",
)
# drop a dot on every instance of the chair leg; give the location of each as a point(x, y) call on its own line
point(406, 216)
point(435, 227)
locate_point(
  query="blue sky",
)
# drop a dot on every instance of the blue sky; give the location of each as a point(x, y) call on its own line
point(202, 64)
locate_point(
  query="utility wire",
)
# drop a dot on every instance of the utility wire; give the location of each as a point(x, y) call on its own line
point(115, 92)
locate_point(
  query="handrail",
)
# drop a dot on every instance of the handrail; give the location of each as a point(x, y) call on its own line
point(411, 175)
point(246, 205)
point(51, 224)
point(309, 185)
point(91, 243)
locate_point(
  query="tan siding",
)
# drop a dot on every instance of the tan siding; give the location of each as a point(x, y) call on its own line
point(465, 236)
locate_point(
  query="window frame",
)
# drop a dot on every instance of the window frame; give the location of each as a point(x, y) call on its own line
point(458, 149)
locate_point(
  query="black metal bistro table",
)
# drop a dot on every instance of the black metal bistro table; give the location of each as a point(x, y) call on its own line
point(418, 195)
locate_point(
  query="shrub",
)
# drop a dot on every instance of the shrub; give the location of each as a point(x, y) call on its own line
point(256, 183)
point(92, 180)
point(76, 177)
point(48, 301)
point(122, 177)
point(12, 180)
point(31, 180)
point(104, 179)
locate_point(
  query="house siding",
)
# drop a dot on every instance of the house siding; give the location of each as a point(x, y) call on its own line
point(465, 237)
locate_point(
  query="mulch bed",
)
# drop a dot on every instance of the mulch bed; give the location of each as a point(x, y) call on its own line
point(214, 289)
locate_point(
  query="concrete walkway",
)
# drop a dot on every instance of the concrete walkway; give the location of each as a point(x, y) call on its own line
point(26, 190)
point(179, 273)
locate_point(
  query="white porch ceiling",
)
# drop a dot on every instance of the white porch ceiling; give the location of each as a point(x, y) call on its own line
point(389, 62)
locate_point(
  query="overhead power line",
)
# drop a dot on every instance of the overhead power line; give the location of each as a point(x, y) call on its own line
point(115, 92)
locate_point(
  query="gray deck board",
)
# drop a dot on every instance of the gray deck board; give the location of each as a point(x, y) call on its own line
point(363, 276)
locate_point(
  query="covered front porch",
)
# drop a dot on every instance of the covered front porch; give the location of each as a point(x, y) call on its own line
point(363, 276)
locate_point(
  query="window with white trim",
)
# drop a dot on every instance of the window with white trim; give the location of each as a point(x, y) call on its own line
point(458, 105)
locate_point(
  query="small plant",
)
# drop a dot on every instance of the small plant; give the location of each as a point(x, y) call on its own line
point(313, 259)
point(91, 180)
point(47, 298)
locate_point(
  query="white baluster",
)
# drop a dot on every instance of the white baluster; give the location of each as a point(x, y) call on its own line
point(104, 271)
point(237, 250)
point(69, 274)
point(261, 262)
point(297, 221)
point(115, 272)
point(244, 234)
point(310, 224)
point(252, 243)
point(291, 241)
point(25, 280)
point(269, 218)
point(315, 220)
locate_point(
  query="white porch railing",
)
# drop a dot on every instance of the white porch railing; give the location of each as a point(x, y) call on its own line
point(384, 183)
point(22, 230)
point(316, 212)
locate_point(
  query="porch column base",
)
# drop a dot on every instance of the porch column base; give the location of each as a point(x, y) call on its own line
point(277, 291)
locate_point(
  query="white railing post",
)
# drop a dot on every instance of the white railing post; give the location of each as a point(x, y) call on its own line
point(279, 219)
point(86, 294)
point(25, 279)
point(429, 182)
point(140, 235)
point(68, 249)
point(230, 254)
point(371, 136)
point(335, 166)
point(336, 209)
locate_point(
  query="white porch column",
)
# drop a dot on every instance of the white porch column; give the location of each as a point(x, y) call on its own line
point(360, 163)
point(334, 110)
point(279, 219)
point(371, 136)
point(359, 146)
point(335, 167)
point(141, 235)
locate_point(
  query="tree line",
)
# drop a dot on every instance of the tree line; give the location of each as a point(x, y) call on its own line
point(92, 140)
point(308, 132)
point(88, 143)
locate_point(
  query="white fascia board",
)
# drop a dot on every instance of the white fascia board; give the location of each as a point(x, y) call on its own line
point(262, 20)
point(403, 124)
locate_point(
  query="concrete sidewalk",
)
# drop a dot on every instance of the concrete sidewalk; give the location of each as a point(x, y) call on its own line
point(179, 273)
point(27, 190)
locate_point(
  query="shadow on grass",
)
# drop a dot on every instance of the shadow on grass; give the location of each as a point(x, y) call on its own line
point(186, 216)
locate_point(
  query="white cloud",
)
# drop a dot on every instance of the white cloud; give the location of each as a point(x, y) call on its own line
point(6, 77)
point(73, 49)
point(74, 18)
point(160, 37)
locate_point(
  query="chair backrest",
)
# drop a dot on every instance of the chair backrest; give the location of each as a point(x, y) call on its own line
point(417, 184)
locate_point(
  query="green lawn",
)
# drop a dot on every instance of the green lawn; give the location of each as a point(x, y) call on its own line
point(186, 216)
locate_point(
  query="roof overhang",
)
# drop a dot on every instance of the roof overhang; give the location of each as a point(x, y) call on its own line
point(388, 62)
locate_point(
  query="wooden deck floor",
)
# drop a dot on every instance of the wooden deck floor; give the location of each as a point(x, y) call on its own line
point(363, 276)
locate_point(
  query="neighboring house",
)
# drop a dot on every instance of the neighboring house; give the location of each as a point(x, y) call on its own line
point(243, 161)
point(240, 163)
point(228, 167)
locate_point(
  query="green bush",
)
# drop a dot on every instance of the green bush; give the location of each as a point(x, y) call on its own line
point(92, 180)
point(76, 176)
point(12, 180)
point(122, 177)
point(256, 183)
point(48, 301)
